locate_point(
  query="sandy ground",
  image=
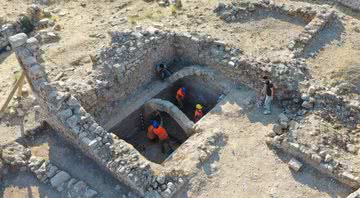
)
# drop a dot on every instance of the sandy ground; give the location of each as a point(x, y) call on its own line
point(245, 167)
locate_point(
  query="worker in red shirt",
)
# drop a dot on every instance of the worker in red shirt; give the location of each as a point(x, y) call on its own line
point(180, 95)
point(198, 113)
point(163, 136)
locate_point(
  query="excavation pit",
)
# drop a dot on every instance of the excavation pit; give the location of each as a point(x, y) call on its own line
point(133, 128)
point(198, 92)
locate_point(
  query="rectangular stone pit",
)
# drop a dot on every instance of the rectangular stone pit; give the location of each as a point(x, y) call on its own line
point(133, 128)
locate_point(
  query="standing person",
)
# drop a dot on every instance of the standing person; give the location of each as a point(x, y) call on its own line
point(180, 95)
point(198, 113)
point(163, 136)
point(269, 95)
point(260, 98)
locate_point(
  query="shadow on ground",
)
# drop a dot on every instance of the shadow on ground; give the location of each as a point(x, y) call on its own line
point(48, 145)
point(25, 184)
point(314, 179)
point(329, 35)
point(261, 14)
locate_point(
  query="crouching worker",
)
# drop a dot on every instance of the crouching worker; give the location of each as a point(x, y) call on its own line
point(163, 136)
point(198, 113)
point(162, 71)
point(150, 132)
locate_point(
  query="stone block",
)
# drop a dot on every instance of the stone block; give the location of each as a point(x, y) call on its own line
point(59, 179)
point(29, 61)
point(72, 121)
point(65, 114)
point(18, 40)
point(277, 129)
point(295, 164)
point(90, 193)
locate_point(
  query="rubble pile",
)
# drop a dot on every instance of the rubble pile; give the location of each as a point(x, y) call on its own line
point(317, 143)
point(15, 156)
point(35, 19)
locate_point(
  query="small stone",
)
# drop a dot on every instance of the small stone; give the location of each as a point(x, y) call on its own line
point(307, 105)
point(316, 158)
point(57, 27)
point(20, 112)
point(328, 158)
point(59, 179)
point(161, 179)
point(295, 164)
point(89, 193)
point(351, 148)
point(71, 183)
point(171, 186)
point(311, 91)
point(277, 129)
point(357, 29)
point(231, 64)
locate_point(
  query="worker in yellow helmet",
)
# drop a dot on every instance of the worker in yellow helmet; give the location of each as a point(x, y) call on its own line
point(198, 113)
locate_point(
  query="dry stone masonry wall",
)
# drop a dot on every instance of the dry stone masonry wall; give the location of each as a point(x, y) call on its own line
point(316, 18)
point(59, 179)
point(15, 156)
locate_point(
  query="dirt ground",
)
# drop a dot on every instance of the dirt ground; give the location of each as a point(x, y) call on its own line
point(245, 167)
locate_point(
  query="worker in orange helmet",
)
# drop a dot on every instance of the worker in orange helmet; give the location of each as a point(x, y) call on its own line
point(198, 113)
point(163, 136)
point(180, 95)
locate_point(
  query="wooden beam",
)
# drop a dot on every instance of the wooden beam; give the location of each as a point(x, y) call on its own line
point(19, 89)
point(18, 83)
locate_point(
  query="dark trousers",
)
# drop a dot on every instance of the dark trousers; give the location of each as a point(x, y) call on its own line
point(165, 146)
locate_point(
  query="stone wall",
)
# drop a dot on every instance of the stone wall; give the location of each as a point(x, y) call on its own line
point(239, 68)
point(129, 64)
point(115, 83)
point(59, 179)
point(315, 17)
point(65, 114)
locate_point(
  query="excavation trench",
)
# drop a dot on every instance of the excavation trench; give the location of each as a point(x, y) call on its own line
point(178, 122)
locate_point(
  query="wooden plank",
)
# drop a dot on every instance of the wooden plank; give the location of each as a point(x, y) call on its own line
point(20, 81)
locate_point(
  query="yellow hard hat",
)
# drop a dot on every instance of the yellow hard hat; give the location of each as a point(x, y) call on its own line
point(198, 106)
